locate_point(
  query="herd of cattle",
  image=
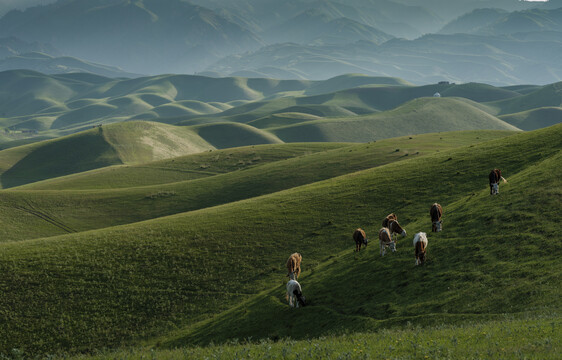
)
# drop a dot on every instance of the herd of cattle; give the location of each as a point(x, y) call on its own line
point(387, 238)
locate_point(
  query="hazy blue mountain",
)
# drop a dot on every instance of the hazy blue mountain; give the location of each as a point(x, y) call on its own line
point(527, 21)
point(450, 10)
point(390, 17)
point(7, 5)
point(59, 65)
point(498, 60)
point(141, 36)
point(320, 27)
point(473, 21)
point(11, 46)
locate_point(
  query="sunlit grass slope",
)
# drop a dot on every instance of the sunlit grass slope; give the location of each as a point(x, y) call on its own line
point(77, 210)
point(124, 143)
point(497, 254)
point(117, 286)
point(415, 117)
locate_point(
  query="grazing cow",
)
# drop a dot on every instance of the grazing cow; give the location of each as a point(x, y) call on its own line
point(294, 294)
point(294, 266)
point(388, 218)
point(395, 229)
point(386, 240)
point(435, 212)
point(494, 177)
point(360, 239)
point(420, 244)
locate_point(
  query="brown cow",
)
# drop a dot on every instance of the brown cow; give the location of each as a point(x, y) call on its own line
point(294, 266)
point(386, 240)
point(420, 244)
point(395, 229)
point(494, 177)
point(435, 212)
point(388, 218)
point(360, 239)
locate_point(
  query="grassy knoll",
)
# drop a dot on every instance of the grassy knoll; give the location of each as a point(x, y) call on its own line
point(81, 210)
point(125, 143)
point(534, 119)
point(415, 117)
point(227, 135)
point(505, 338)
point(545, 96)
point(121, 285)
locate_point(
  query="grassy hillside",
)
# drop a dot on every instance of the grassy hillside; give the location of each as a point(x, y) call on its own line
point(124, 143)
point(508, 337)
point(534, 119)
point(120, 285)
point(183, 168)
point(547, 96)
point(415, 117)
point(78, 210)
point(228, 135)
point(34, 106)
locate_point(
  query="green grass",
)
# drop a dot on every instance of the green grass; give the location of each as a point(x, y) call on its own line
point(508, 337)
point(126, 143)
point(415, 117)
point(59, 105)
point(81, 210)
point(546, 96)
point(217, 273)
point(189, 167)
point(534, 119)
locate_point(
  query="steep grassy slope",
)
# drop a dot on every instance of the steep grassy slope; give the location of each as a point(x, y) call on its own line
point(415, 117)
point(117, 286)
point(93, 209)
point(546, 96)
point(534, 119)
point(124, 143)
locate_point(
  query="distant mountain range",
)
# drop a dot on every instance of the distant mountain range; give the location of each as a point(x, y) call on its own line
point(147, 36)
point(502, 42)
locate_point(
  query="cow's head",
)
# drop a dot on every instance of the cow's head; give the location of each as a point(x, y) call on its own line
point(365, 242)
point(437, 226)
point(392, 246)
point(495, 188)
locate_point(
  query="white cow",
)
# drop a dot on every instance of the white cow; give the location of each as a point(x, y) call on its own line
point(294, 294)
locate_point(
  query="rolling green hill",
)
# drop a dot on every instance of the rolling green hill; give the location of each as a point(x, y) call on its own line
point(546, 96)
point(81, 210)
point(35, 106)
point(415, 117)
point(124, 143)
point(534, 119)
point(169, 277)
point(189, 167)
